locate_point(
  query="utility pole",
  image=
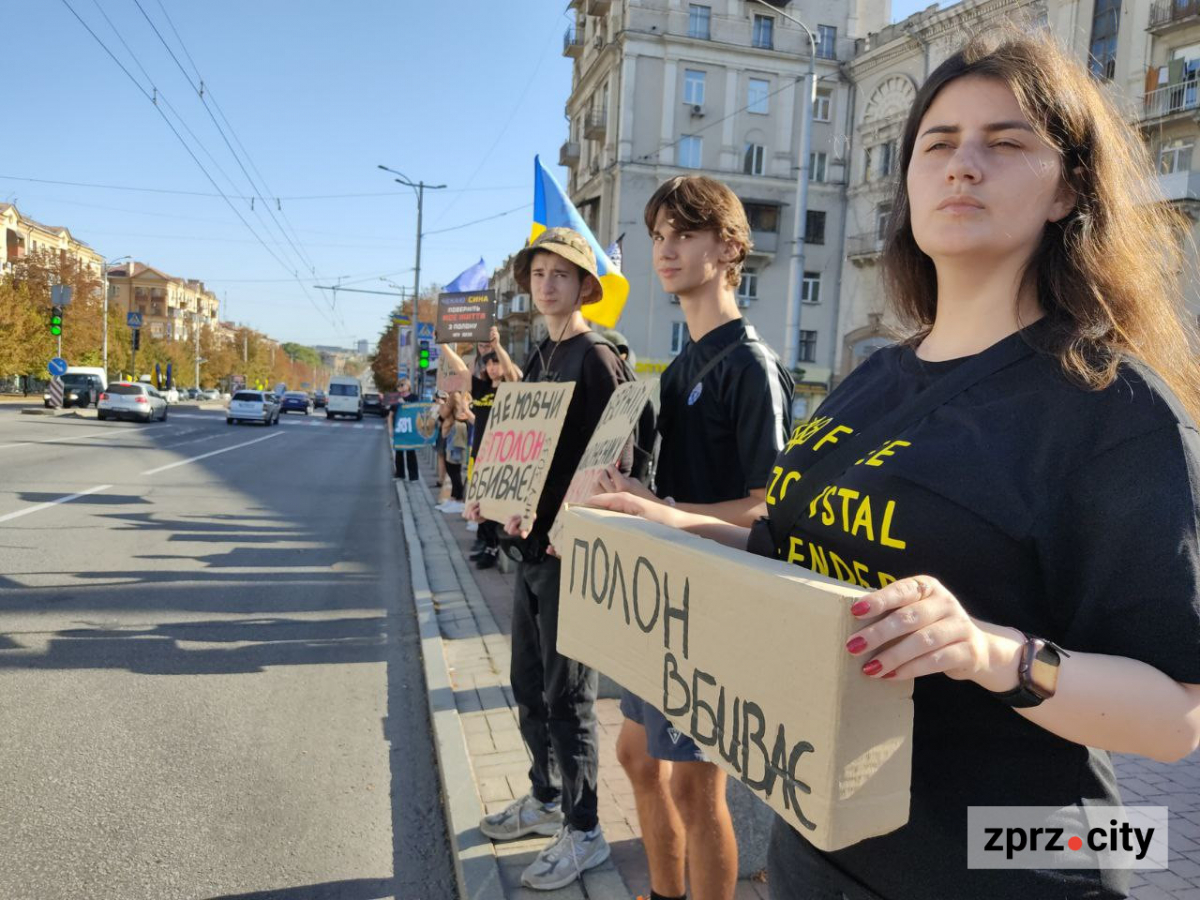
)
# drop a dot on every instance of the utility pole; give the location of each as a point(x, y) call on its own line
point(196, 328)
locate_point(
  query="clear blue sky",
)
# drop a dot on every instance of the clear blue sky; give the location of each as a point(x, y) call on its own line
point(319, 93)
point(461, 93)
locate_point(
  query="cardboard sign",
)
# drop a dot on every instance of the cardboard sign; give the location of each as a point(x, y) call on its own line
point(415, 426)
point(465, 317)
point(453, 381)
point(514, 458)
point(746, 655)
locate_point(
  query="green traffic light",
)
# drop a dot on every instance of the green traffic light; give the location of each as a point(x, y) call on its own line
point(56, 325)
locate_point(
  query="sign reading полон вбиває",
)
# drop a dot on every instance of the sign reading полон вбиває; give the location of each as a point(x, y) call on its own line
point(518, 445)
point(747, 656)
point(463, 317)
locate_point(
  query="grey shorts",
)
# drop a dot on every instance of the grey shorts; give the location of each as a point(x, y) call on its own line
point(663, 740)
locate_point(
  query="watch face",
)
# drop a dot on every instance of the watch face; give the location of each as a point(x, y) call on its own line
point(1043, 673)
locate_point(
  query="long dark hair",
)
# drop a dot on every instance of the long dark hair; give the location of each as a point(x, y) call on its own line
point(1108, 274)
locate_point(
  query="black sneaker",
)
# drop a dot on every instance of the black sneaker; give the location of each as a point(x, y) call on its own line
point(478, 547)
point(488, 558)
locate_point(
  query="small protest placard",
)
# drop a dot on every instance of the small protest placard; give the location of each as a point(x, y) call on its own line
point(453, 381)
point(414, 426)
point(746, 655)
point(518, 445)
point(466, 316)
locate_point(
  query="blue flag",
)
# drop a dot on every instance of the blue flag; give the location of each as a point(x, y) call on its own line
point(473, 279)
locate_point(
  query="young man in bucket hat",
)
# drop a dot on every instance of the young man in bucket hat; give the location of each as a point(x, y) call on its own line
point(556, 695)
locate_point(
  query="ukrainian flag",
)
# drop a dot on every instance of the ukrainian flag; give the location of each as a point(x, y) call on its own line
point(552, 208)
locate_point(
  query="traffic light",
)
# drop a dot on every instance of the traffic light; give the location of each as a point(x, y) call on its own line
point(423, 355)
point(137, 338)
point(56, 320)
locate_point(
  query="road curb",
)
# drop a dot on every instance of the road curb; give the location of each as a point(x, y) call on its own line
point(475, 864)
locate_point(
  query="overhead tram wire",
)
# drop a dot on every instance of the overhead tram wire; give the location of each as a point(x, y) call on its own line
point(149, 97)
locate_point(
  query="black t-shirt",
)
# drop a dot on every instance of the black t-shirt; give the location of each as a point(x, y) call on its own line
point(395, 405)
point(483, 396)
point(719, 441)
point(596, 370)
point(1069, 514)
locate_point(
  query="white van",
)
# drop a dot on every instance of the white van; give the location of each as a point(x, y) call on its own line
point(345, 397)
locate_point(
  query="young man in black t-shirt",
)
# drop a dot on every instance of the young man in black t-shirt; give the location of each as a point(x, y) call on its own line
point(725, 415)
point(556, 695)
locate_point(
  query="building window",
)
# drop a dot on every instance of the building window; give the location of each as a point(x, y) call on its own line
point(814, 227)
point(816, 166)
point(1175, 156)
point(693, 87)
point(811, 290)
point(748, 289)
point(821, 108)
point(764, 32)
point(887, 158)
point(883, 216)
point(762, 217)
point(679, 336)
point(753, 162)
point(868, 160)
point(826, 42)
point(1102, 52)
point(689, 151)
point(808, 346)
point(700, 21)
point(756, 96)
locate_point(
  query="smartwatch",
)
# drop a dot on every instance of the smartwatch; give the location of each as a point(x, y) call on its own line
point(1037, 673)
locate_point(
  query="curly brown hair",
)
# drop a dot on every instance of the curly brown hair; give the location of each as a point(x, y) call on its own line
point(1108, 274)
point(699, 203)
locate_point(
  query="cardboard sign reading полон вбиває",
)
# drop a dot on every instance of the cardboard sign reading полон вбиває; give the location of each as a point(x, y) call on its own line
point(518, 445)
point(748, 657)
point(465, 317)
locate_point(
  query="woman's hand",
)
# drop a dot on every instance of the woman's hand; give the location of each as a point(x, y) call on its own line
point(494, 337)
point(513, 528)
point(611, 481)
point(927, 631)
point(633, 505)
point(472, 513)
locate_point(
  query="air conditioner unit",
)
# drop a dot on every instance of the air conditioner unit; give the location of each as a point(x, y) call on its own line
point(697, 111)
point(519, 303)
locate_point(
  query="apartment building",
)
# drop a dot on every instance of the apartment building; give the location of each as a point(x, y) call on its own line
point(171, 307)
point(24, 237)
point(668, 87)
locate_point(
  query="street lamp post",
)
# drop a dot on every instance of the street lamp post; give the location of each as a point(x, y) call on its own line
point(108, 263)
point(419, 189)
point(791, 341)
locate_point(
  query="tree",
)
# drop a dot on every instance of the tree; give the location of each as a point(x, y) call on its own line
point(25, 341)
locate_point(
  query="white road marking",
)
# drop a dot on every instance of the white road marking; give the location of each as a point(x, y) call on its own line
point(184, 462)
point(41, 506)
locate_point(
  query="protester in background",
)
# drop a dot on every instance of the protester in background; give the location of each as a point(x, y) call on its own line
point(724, 416)
point(439, 447)
point(1041, 464)
point(404, 460)
point(555, 695)
point(456, 420)
point(492, 365)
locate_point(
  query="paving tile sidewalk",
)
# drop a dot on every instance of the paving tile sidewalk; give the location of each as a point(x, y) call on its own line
point(480, 656)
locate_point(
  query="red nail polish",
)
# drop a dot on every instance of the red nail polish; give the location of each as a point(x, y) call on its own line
point(890, 675)
point(856, 644)
point(872, 667)
point(862, 607)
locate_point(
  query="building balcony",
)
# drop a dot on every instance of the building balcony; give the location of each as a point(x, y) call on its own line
point(568, 154)
point(598, 7)
point(765, 242)
point(1166, 15)
point(864, 248)
point(1180, 186)
point(572, 43)
point(1174, 100)
point(596, 126)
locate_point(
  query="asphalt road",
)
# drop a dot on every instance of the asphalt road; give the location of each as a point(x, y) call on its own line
point(210, 683)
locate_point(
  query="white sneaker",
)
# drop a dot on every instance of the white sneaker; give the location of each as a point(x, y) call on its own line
point(453, 506)
point(521, 817)
point(565, 860)
point(472, 527)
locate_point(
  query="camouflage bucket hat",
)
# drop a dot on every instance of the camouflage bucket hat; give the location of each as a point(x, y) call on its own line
point(564, 242)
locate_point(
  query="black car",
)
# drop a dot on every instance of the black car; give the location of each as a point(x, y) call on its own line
point(79, 389)
point(318, 399)
point(373, 403)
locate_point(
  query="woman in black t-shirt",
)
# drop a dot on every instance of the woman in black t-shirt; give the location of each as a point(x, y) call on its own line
point(1052, 503)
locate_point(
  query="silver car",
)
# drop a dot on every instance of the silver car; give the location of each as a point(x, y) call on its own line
point(253, 406)
point(131, 400)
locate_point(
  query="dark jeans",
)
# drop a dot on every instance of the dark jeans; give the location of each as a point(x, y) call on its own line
point(489, 533)
point(556, 699)
point(406, 458)
point(454, 470)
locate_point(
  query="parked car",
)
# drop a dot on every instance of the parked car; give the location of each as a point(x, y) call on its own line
point(252, 406)
point(373, 403)
point(318, 399)
point(191, 393)
point(294, 401)
point(82, 386)
point(210, 394)
point(131, 400)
